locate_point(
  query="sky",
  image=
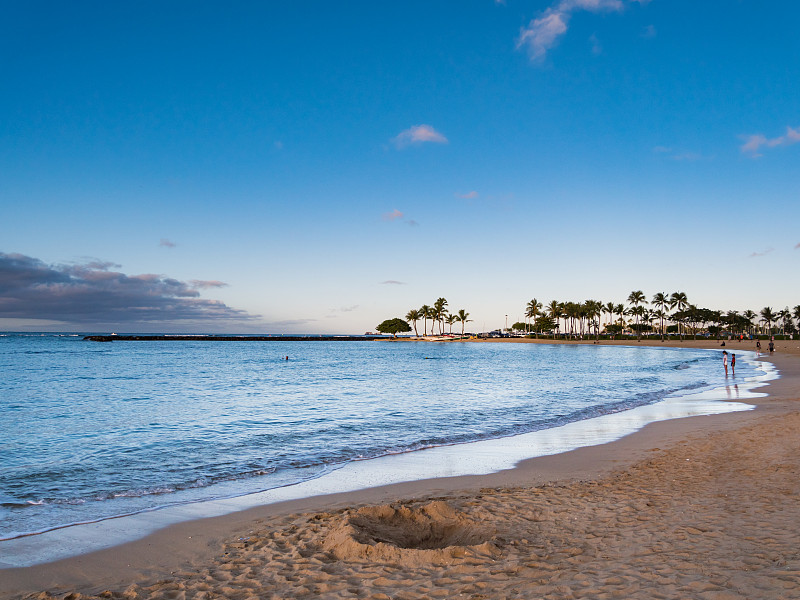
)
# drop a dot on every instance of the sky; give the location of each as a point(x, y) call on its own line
point(318, 167)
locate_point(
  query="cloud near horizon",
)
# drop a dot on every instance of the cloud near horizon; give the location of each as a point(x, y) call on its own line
point(543, 33)
point(418, 134)
point(90, 293)
point(754, 143)
point(392, 282)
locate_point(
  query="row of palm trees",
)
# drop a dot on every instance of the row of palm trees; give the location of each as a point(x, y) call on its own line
point(583, 318)
point(438, 314)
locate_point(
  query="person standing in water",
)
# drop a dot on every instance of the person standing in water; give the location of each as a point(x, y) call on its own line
point(733, 364)
point(725, 361)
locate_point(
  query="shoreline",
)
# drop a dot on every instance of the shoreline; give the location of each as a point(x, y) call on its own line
point(197, 542)
point(472, 458)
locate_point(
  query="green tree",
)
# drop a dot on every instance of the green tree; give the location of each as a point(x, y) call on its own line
point(768, 316)
point(427, 312)
point(532, 309)
point(661, 302)
point(414, 315)
point(554, 310)
point(450, 319)
point(463, 318)
point(394, 326)
point(593, 309)
point(439, 313)
point(609, 309)
point(544, 324)
point(620, 310)
point(637, 298)
point(679, 302)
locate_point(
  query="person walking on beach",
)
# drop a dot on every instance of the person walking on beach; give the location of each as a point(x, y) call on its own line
point(771, 346)
point(733, 365)
point(725, 361)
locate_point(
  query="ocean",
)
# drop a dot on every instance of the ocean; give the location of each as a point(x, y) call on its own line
point(98, 430)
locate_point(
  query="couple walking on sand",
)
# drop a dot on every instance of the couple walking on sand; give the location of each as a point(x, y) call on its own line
point(725, 362)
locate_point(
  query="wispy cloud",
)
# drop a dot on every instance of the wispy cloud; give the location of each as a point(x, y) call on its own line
point(763, 253)
point(346, 309)
point(392, 282)
point(755, 142)
point(397, 215)
point(166, 243)
point(544, 32)
point(797, 246)
point(681, 155)
point(597, 47)
point(418, 134)
point(90, 293)
point(392, 216)
point(202, 284)
point(649, 32)
point(468, 196)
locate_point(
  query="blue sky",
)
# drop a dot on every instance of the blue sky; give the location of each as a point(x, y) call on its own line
point(319, 167)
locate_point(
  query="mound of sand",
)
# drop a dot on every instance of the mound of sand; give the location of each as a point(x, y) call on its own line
point(429, 534)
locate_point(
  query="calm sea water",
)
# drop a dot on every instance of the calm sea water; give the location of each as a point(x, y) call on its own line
point(94, 430)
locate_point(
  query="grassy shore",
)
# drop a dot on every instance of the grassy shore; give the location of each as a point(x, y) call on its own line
point(704, 507)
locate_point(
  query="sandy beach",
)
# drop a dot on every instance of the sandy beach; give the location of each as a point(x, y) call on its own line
point(703, 507)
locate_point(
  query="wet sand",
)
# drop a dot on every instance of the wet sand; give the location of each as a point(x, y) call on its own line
point(704, 507)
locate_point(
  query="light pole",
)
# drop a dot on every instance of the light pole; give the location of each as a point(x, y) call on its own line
point(506, 322)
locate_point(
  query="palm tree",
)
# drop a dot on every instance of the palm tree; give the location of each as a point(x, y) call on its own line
point(414, 315)
point(532, 310)
point(679, 302)
point(620, 310)
point(782, 317)
point(450, 319)
point(768, 316)
point(636, 298)
point(440, 311)
point(554, 308)
point(609, 308)
point(661, 301)
point(462, 316)
point(749, 315)
point(427, 312)
point(796, 314)
point(593, 311)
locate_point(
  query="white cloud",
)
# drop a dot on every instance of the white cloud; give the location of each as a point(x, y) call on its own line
point(166, 243)
point(392, 282)
point(543, 33)
point(468, 196)
point(753, 143)
point(649, 32)
point(418, 134)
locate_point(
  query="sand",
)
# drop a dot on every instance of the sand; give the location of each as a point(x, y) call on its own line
point(705, 507)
